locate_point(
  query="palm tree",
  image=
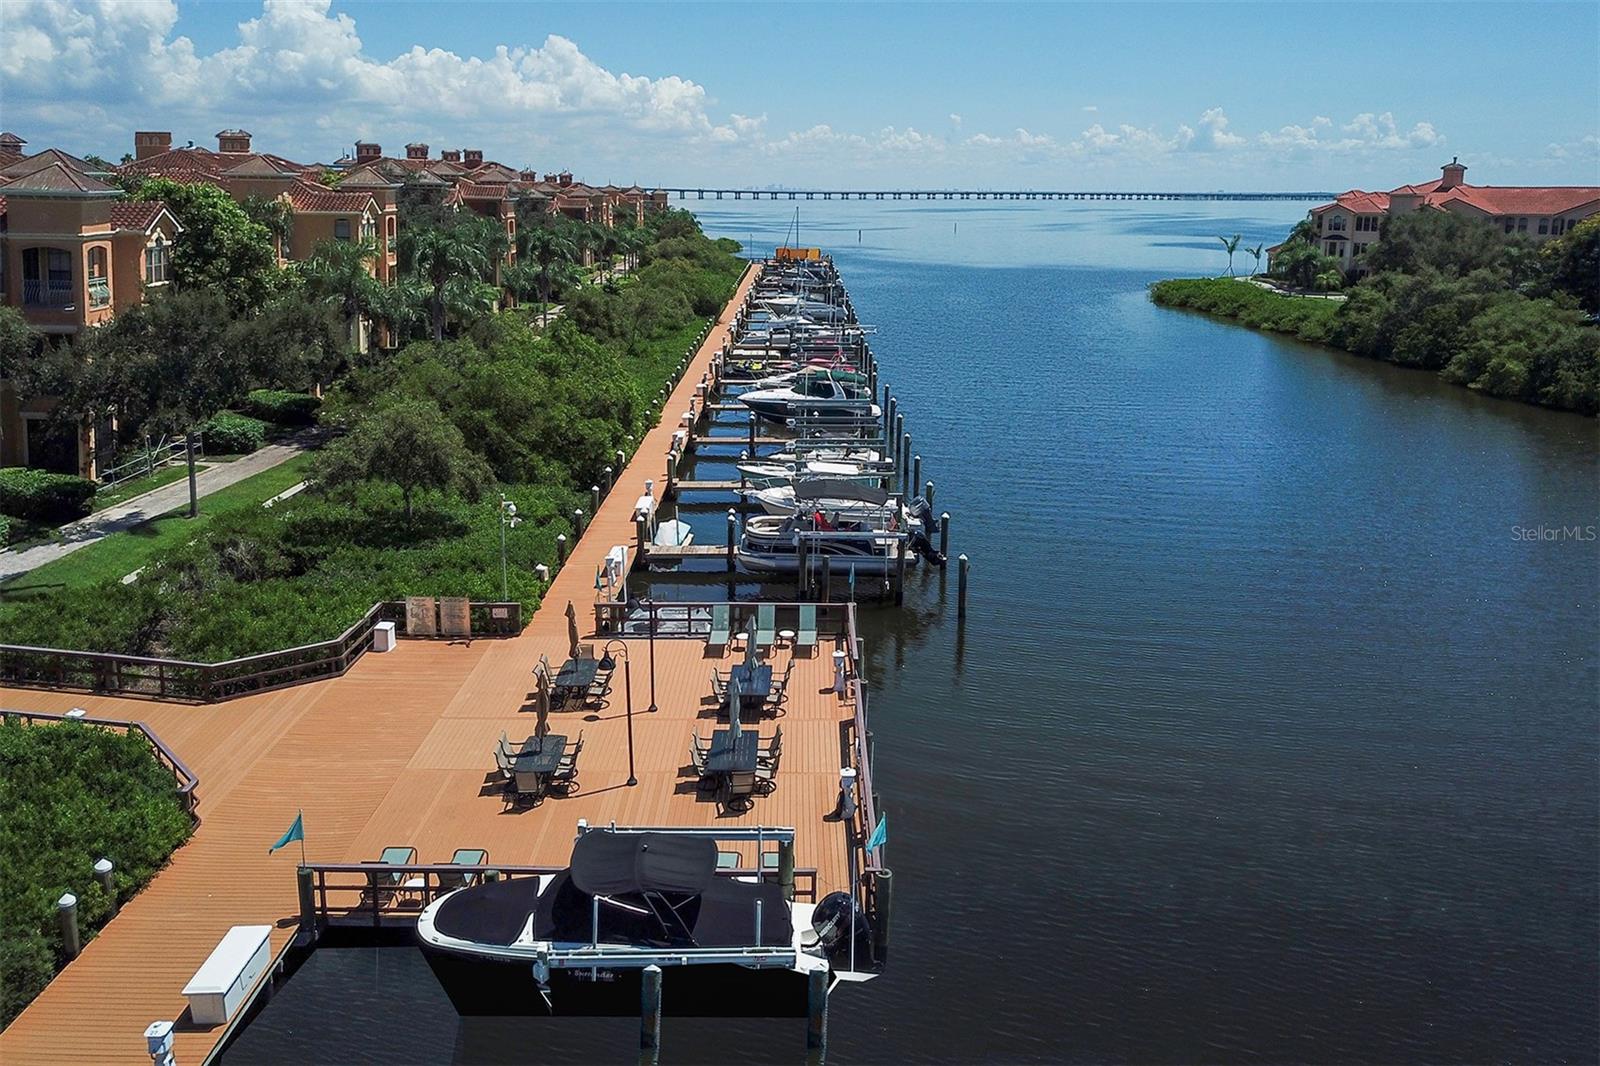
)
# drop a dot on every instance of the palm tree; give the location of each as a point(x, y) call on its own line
point(1232, 245)
point(440, 254)
point(339, 274)
point(550, 248)
point(1256, 251)
point(400, 305)
point(1330, 279)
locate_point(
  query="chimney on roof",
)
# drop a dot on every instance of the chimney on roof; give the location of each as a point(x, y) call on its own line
point(233, 142)
point(528, 174)
point(1455, 173)
point(450, 155)
point(366, 150)
point(416, 151)
point(564, 178)
point(147, 143)
point(472, 156)
point(11, 141)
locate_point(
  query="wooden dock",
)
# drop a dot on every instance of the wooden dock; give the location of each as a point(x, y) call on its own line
point(399, 751)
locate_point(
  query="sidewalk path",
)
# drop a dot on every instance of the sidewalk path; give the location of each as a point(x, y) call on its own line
point(152, 504)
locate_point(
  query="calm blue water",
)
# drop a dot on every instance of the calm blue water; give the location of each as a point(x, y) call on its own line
point(1270, 735)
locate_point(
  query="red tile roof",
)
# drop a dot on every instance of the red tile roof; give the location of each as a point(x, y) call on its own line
point(58, 178)
point(471, 190)
point(306, 196)
point(136, 214)
point(1518, 200)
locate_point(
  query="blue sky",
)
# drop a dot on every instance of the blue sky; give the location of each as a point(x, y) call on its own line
point(1120, 96)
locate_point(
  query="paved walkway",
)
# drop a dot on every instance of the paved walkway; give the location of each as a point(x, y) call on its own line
point(152, 504)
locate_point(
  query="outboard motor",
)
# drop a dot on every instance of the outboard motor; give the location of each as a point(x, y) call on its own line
point(922, 539)
point(831, 920)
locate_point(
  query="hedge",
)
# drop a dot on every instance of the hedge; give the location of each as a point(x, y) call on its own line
point(283, 408)
point(73, 794)
point(43, 496)
point(228, 433)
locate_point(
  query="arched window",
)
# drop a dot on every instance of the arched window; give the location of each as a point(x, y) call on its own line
point(99, 275)
point(156, 266)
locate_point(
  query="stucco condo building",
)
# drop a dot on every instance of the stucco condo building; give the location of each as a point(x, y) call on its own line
point(1348, 225)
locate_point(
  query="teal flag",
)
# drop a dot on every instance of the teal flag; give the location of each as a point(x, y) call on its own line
point(297, 831)
point(880, 834)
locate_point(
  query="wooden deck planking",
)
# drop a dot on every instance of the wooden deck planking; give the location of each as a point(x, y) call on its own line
point(399, 752)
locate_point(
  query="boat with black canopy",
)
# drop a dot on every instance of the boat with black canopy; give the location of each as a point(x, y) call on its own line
point(574, 941)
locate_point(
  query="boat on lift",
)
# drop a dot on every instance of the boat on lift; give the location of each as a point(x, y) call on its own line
point(762, 473)
point(868, 544)
point(817, 397)
point(836, 499)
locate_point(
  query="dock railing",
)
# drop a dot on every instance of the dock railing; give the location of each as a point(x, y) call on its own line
point(187, 783)
point(691, 619)
point(372, 893)
point(177, 679)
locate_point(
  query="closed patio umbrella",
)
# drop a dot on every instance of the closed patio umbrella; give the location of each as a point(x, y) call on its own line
point(542, 705)
point(750, 643)
point(572, 630)
point(734, 697)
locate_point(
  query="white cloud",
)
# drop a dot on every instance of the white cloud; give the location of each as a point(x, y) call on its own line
point(1091, 108)
point(955, 119)
point(1365, 132)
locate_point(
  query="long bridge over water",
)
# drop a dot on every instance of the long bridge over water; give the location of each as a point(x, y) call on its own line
point(980, 194)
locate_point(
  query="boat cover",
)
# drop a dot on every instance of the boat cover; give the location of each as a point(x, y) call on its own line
point(614, 864)
point(828, 489)
point(494, 912)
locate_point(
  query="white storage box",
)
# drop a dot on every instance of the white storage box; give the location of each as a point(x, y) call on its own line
point(383, 636)
point(219, 986)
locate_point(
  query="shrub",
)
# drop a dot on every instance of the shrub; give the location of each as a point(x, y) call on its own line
point(43, 496)
point(5, 530)
point(228, 433)
point(283, 408)
point(72, 794)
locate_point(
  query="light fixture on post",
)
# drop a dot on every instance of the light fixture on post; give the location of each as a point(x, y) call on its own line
point(650, 605)
point(508, 517)
point(608, 662)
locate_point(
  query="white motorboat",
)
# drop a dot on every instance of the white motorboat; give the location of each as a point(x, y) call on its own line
point(816, 397)
point(868, 545)
point(837, 500)
point(765, 472)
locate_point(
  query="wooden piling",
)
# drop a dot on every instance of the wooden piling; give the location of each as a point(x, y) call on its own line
point(622, 460)
point(640, 542)
point(67, 916)
point(577, 522)
point(786, 868)
point(752, 446)
point(944, 535)
point(561, 548)
point(961, 587)
point(883, 898)
point(671, 488)
point(817, 1010)
point(927, 492)
point(905, 462)
point(916, 474)
point(827, 579)
point(308, 902)
point(594, 499)
point(650, 1012)
point(900, 576)
point(733, 536)
point(605, 479)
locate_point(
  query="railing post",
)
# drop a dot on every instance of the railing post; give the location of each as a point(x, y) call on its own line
point(308, 905)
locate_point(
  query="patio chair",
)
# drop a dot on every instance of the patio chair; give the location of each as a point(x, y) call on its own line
point(387, 884)
point(805, 634)
point(719, 626)
point(719, 687)
point(766, 777)
point(600, 687)
point(569, 758)
point(526, 785)
point(780, 689)
point(585, 651)
point(766, 625)
point(740, 788)
point(728, 860)
point(452, 880)
point(771, 753)
point(507, 770)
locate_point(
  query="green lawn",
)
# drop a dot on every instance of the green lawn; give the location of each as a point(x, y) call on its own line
point(123, 553)
point(138, 486)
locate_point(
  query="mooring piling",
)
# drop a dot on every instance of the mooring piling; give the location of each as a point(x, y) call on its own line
point(961, 586)
point(944, 535)
point(650, 1013)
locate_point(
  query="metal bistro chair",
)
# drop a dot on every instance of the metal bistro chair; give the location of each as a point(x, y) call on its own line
point(526, 785)
point(739, 789)
point(600, 687)
point(566, 775)
point(719, 687)
point(772, 752)
point(451, 880)
point(780, 690)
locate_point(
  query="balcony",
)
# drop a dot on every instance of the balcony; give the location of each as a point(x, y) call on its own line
point(39, 293)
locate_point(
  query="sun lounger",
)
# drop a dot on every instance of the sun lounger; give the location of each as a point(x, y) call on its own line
point(766, 625)
point(719, 626)
point(806, 635)
point(463, 857)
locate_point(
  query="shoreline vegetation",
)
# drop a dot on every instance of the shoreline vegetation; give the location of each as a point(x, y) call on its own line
point(73, 794)
point(1477, 307)
point(405, 500)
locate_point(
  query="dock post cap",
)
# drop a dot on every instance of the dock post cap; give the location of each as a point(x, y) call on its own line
point(67, 901)
point(103, 866)
point(77, 712)
point(158, 1042)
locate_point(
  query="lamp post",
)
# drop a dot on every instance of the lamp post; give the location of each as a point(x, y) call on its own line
point(508, 517)
point(609, 662)
point(650, 604)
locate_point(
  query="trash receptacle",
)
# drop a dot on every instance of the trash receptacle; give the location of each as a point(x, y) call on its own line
point(383, 636)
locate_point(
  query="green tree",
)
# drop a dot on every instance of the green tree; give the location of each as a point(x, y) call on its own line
point(19, 342)
point(407, 443)
point(1256, 254)
point(1230, 245)
point(1446, 243)
point(220, 246)
point(551, 250)
point(439, 254)
point(1573, 262)
point(339, 275)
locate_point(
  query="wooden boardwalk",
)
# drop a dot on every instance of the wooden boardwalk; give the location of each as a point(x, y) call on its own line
point(399, 751)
